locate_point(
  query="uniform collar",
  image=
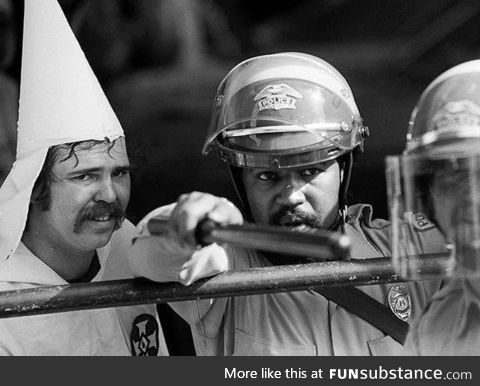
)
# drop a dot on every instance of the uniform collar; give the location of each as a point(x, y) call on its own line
point(359, 211)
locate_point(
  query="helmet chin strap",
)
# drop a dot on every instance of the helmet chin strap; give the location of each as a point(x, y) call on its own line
point(343, 193)
point(236, 175)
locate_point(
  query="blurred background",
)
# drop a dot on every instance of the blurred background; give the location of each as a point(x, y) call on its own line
point(160, 61)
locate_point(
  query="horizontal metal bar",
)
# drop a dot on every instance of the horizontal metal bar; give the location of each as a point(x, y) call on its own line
point(50, 299)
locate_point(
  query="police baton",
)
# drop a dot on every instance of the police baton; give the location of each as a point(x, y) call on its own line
point(318, 245)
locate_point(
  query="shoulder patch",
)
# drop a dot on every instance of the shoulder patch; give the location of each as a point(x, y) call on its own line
point(144, 336)
point(420, 222)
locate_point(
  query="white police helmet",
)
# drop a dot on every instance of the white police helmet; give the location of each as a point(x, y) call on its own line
point(283, 110)
point(435, 184)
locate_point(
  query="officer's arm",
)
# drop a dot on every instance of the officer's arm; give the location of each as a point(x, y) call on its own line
point(165, 258)
point(170, 257)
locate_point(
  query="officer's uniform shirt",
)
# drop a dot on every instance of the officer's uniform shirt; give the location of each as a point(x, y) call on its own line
point(133, 330)
point(450, 324)
point(304, 322)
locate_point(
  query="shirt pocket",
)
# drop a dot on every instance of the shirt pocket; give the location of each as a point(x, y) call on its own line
point(248, 345)
point(384, 346)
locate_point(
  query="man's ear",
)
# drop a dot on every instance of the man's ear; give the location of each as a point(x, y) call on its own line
point(40, 197)
point(35, 195)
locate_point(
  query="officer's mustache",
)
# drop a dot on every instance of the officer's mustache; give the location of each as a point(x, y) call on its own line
point(100, 209)
point(295, 217)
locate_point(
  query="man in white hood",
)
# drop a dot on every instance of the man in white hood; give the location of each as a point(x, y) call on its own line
point(62, 206)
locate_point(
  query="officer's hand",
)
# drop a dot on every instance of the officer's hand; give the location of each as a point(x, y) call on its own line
point(161, 259)
point(194, 207)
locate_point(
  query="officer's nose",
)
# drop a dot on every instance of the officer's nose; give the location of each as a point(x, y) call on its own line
point(291, 194)
point(106, 192)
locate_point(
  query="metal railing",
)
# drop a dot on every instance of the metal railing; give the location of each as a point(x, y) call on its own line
point(117, 293)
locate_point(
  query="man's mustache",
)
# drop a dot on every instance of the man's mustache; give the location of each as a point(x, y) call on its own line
point(295, 217)
point(101, 209)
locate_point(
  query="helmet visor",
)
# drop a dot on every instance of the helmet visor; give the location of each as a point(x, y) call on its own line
point(434, 205)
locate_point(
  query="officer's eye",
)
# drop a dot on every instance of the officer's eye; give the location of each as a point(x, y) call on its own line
point(310, 172)
point(267, 176)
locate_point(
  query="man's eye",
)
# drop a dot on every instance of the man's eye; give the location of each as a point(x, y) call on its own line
point(310, 172)
point(267, 176)
point(120, 173)
point(84, 177)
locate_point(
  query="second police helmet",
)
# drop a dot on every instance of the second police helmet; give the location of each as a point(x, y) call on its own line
point(435, 183)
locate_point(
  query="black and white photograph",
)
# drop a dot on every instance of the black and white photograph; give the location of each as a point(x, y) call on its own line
point(187, 178)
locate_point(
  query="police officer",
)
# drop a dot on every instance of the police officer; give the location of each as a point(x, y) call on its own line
point(287, 126)
point(439, 175)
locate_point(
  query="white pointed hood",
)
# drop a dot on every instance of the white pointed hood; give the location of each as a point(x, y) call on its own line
point(61, 101)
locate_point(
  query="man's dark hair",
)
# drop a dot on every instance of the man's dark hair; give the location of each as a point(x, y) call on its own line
point(41, 189)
